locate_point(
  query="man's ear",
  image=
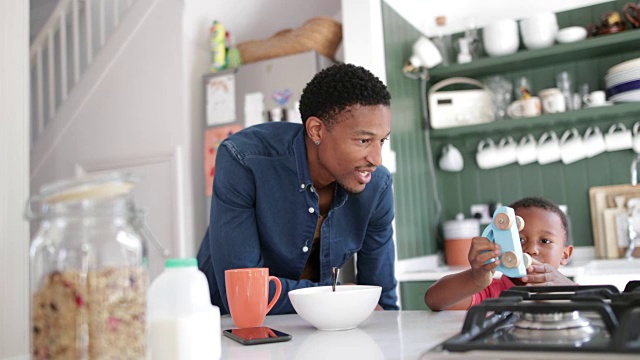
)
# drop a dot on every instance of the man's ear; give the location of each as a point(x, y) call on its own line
point(314, 127)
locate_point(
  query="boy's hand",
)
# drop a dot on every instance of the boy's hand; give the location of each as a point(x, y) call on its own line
point(481, 250)
point(539, 274)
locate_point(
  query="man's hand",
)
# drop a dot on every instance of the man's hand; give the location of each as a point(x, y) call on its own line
point(539, 274)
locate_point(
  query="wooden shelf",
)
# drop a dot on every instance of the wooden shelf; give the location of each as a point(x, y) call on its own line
point(598, 46)
point(581, 116)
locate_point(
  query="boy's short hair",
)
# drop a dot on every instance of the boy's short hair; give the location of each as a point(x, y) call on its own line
point(339, 87)
point(542, 203)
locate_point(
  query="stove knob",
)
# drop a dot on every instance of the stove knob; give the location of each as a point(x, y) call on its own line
point(502, 221)
point(520, 223)
point(510, 260)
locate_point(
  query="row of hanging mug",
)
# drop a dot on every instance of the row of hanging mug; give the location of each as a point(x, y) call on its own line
point(549, 148)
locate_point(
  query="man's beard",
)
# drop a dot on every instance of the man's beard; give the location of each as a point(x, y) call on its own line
point(349, 191)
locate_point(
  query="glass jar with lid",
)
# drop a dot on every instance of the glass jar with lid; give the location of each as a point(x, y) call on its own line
point(88, 270)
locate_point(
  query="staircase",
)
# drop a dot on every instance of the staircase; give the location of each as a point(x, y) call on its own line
point(63, 51)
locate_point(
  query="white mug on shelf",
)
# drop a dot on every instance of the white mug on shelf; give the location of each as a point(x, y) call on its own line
point(596, 98)
point(507, 151)
point(571, 147)
point(636, 137)
point(553, 101)
point(451, 159)
point(618, 138)
point(524, 108)
point(527, 150)
point(548, 148)
point(593, 142)
point(487, 156)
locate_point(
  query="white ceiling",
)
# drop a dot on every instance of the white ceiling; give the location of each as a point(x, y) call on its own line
point(422, 13)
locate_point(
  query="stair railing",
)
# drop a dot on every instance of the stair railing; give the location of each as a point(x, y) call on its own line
point(65, 47)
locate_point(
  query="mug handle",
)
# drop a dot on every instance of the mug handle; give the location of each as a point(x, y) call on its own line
point(636, 127)
point(630, 16)
point(516, 109)
point(276, 296)
point(620, 126)
point(592, 129)
point(488, 141)
point(548, 134)
point(506, 141)
point(568, 133)
point(527, 139)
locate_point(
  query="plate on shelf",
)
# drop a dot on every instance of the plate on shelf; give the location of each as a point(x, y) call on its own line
point(629, 64)
point(629, 96)
point(622, 77)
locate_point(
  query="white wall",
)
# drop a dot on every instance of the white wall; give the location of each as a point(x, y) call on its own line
point(422, 14)
point(14, 177)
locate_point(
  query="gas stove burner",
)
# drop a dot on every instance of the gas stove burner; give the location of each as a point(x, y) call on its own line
point(565, 319)
point(552, 321)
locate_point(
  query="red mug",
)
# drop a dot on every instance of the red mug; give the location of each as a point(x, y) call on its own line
point(248, 295)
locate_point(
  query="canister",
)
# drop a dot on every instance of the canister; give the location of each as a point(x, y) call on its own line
point(457, 239)
point(88, 270)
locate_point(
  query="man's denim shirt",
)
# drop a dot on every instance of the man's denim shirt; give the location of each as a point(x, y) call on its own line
point(264, 213)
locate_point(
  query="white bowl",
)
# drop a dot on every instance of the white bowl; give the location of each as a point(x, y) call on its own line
point(571, 34)
point(343, 309)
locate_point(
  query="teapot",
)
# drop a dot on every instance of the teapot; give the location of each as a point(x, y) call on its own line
point(632, 13)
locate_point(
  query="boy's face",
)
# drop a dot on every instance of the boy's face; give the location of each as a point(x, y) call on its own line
point(543, 236)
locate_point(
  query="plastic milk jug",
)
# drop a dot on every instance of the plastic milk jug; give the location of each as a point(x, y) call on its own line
point(181, 322)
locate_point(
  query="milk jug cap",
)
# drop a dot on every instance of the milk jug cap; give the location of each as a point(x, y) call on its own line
point(180, 263)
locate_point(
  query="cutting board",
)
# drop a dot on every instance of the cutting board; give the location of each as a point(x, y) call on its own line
point(602, 198)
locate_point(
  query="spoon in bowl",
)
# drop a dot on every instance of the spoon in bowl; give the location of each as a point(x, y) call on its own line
point(334, 277)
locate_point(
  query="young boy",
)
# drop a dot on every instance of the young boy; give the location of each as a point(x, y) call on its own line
point(544, 237)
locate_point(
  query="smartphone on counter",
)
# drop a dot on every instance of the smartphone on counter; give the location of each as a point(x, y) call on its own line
point(256, 335)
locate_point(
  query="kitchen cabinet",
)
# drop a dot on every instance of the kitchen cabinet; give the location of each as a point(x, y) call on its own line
point(416, 185)
point(588, 61)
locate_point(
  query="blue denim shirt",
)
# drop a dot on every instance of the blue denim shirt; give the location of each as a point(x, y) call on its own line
point(264, 213)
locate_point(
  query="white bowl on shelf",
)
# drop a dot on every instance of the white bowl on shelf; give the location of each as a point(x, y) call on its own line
point(343, 309)
point(571, 34)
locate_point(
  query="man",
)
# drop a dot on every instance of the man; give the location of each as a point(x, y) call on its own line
point(301, 199)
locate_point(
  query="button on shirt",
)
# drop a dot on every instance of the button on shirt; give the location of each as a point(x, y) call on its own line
point(264, 213)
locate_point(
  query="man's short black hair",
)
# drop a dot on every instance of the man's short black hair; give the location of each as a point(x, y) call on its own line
point(337, 88)
point(542, 203)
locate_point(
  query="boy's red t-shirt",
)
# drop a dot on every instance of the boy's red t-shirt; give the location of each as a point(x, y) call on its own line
point(497, 286)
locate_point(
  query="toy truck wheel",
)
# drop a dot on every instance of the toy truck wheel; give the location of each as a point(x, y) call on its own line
point(520, 223)
point(510, 260)
point(527, 260)
point(502, 221)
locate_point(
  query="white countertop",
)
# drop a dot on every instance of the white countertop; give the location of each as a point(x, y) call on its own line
point(583, 267)
point(384, 335)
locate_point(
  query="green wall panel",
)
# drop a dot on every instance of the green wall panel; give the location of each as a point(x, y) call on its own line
point(415, 225)
point(412, 295)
